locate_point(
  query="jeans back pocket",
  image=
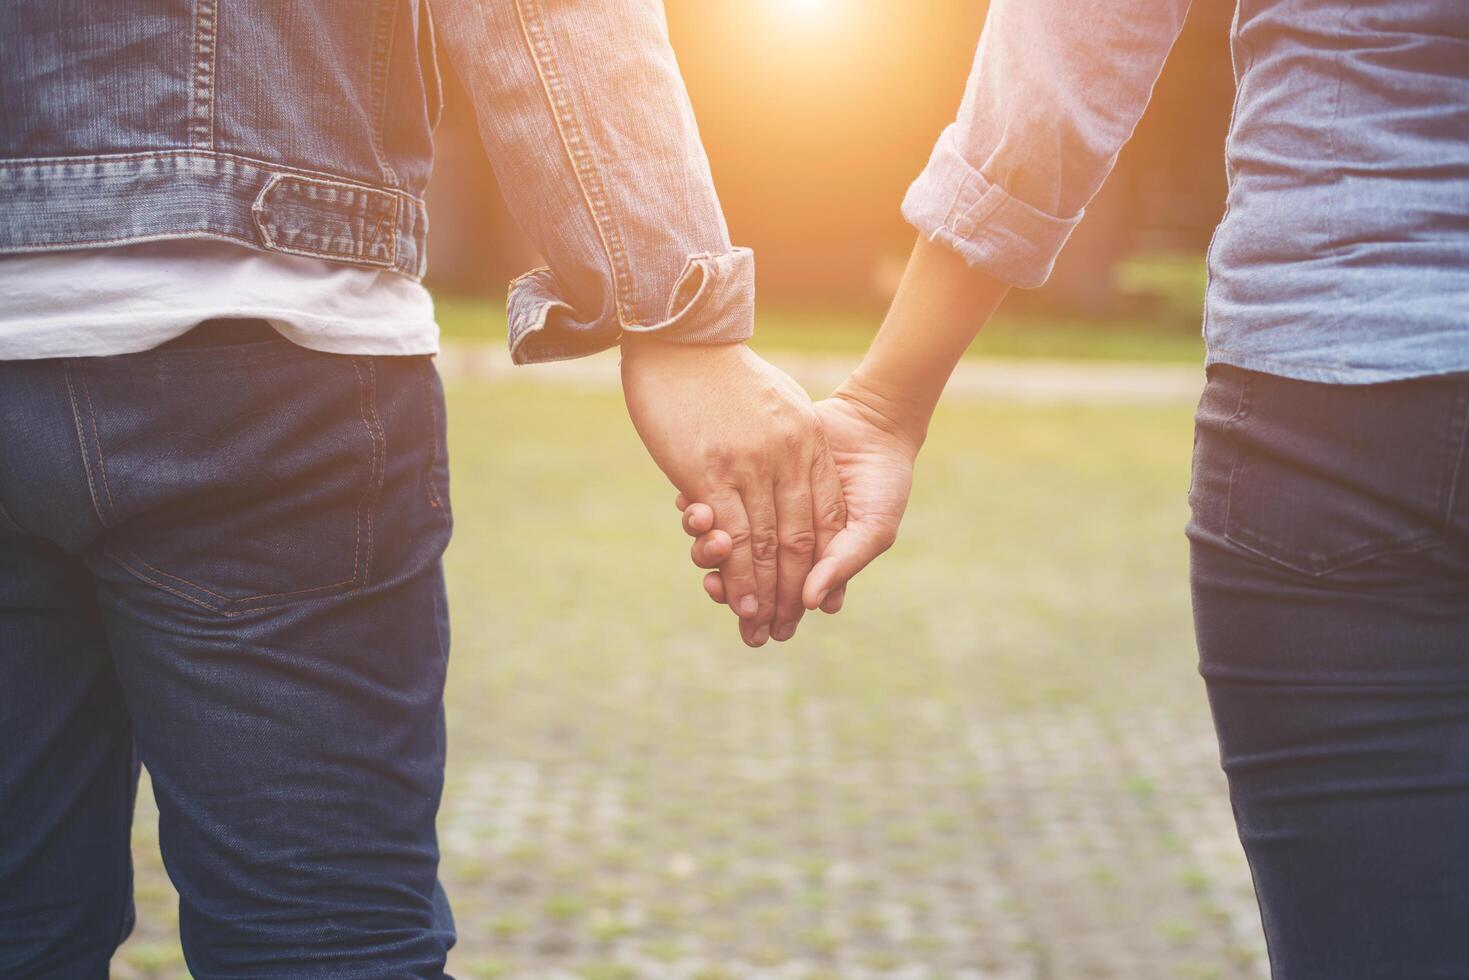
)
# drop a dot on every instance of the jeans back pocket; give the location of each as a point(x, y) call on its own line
point(234, 478)
point(1326, 476)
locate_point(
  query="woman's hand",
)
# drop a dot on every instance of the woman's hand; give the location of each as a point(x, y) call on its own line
point(874, 447)
point(876, 422)
point(739, 435)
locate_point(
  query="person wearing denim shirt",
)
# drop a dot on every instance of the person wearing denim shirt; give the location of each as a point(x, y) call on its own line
point(1330, 488)
point(223, 481)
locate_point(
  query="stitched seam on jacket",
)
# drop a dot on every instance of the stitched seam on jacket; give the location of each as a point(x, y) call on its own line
point(258, 211)
point(49, 163)
point(382, 57)
point(201, 70)
point(573, 141)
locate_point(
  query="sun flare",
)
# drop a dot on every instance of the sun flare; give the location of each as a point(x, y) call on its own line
point(807, 8)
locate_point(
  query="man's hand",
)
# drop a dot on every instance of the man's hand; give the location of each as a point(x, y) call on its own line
point(874, 447)
point(735, 433)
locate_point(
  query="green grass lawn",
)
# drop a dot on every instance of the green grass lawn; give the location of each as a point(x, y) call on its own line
point(824, 332)
point(995, 763)
point(1168, 332)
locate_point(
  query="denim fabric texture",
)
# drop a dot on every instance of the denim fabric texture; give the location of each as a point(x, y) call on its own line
point(1330, 546)
point(1343, 255)
point(222, 560)
point(305, 128)
point(295, 127)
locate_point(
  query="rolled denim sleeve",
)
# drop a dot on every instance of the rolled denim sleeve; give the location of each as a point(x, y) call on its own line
point(592, 137)
point(1057, 88)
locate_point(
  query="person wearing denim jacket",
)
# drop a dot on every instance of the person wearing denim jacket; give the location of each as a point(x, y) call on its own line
point(1330, 487)
point(223, 483)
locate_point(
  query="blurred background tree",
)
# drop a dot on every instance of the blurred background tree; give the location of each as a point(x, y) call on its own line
point(818, 113)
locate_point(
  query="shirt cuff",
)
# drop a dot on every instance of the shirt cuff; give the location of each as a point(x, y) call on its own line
point(1001, 235)
point(712, 302)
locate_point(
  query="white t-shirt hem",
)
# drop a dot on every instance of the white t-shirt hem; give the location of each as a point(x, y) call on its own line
point(122, 300)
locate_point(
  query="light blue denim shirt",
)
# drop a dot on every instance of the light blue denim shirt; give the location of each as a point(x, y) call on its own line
point(1343, 255)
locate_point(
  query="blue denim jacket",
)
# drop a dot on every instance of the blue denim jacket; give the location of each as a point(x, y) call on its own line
point(1344, 253)
point(304, 127)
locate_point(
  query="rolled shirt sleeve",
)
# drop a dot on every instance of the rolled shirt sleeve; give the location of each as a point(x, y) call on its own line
point(589, 129)
point(1056, 89)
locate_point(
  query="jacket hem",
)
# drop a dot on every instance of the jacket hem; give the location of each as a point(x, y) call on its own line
point(65, 203)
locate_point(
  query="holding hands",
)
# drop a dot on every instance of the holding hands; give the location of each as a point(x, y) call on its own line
point(739, 436)
point(873, 455)
point(787, 500)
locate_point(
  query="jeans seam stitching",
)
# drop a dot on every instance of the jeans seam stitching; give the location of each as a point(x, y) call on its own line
point(378, 438)
point(132, 570)
point(101, 454)
point(1456, 419)
point(82, 445)
point(433, 421)
point(7, 520)
point(1314, 564)
point(1239, 413)
point(129, 557)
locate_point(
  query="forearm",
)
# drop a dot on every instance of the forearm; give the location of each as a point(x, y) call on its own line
point(940, 306)
point(1056, 90)
point(589, 128)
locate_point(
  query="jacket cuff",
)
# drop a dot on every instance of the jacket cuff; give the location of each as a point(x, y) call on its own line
point(712, 302)
point(951, 202)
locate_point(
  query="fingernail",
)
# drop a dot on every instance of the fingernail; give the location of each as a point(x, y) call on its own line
point(783, 632)
point(749, 605)
point(822, 598)
point(761, 635)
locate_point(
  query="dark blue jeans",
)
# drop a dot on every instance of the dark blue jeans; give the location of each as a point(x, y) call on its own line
point(1330, 541)
point(221, 558)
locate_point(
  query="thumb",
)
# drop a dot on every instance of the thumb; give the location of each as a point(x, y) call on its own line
point(850, 551)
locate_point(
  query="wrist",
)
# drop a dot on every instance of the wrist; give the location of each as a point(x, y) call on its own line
point(647, 348)
point(905, 418)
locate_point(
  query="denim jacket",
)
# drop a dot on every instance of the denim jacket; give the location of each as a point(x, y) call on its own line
point(304, 127)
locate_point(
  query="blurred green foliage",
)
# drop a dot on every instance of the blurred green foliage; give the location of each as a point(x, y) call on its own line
point(1163, 325)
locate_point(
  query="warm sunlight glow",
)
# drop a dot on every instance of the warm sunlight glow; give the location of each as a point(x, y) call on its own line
point(808, 8)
